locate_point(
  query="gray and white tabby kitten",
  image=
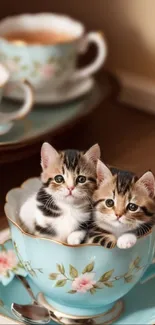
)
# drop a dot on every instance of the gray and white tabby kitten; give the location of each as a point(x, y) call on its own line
point(124, 207)
point(62, 208)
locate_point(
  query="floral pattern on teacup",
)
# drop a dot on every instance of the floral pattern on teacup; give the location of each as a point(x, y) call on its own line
point(26, 264)
point(47, 70)
point(87, 282)
point(9, 264)
point(12, 65)
point(52, 66)
point(83, 283)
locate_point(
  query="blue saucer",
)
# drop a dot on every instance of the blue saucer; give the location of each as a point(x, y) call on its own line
point(139, 302)
point(13, 292)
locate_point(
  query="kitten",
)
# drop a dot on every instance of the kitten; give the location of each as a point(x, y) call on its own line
point(62, 208)
point(125, 207)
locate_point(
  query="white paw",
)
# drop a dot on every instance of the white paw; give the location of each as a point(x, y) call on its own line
point(75, 238)
point(126, 241)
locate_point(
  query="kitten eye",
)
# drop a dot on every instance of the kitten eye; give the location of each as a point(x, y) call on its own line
point(132, 207)
point(59, 179)
point(81, 179)
point(109, 203)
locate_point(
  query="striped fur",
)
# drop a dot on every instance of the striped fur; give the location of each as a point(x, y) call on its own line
point(63, 208)
point(125, 190)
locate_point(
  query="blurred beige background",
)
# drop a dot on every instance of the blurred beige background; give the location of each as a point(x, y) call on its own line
point(129, 26)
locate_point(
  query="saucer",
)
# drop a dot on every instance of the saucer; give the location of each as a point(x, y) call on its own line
point(44, 120)
point(139, 303)
point(5, 128)
point(11, 289)
point(68, 92)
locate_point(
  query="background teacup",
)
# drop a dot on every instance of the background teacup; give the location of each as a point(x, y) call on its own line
point(43, 48)
point(81, 281)
point(7, 118)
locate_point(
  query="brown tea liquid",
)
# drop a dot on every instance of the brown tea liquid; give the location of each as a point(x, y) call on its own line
point(37, 37)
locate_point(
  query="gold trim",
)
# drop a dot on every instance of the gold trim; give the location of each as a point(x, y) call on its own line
point(28, 45)
point(116, 317)
point(43, 238)
point(59, 321)
point(41, 296)
point(47, 239)
point(120, 302)
point(40, 237)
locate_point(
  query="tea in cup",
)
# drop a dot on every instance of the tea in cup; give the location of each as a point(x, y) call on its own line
point(43, 48)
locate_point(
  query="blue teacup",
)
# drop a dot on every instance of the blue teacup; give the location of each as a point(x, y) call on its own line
point(47, 66)
point(84, 281)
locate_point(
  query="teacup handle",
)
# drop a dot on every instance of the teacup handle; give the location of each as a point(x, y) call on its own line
point(97, 38)
point(25, 108)
point(149, 273)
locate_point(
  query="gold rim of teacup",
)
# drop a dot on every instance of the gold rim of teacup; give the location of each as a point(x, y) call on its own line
point(20, 43)
point(44, 238)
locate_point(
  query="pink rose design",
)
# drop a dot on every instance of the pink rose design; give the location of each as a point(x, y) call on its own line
point(47, 70)
point(84, 282)
point(7, 261)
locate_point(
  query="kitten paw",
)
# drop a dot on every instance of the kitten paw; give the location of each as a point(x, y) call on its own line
point(126, 241)
point(75, 238)
point(73, 241)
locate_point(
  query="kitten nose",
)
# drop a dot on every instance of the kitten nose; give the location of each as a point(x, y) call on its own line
point(118, 215)
point(70, 188)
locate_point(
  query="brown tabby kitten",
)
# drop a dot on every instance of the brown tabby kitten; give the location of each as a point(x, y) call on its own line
point(124, 205)
point(62, 209)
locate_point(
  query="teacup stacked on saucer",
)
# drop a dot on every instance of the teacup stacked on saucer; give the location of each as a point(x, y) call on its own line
point(57, 269)
point(43, 49)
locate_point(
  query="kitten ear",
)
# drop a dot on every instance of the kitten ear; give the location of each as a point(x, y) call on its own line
point(48, 155)
point(103, 172)
point(93, 153)
point(148, 181)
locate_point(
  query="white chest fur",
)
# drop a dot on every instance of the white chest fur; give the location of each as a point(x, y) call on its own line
point(68, 222)
point(116, 230)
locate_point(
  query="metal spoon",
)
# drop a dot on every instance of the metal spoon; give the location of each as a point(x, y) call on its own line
point(33, 313)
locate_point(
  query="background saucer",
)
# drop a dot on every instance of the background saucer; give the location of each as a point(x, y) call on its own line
point(44, 119)
point(70, 91)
